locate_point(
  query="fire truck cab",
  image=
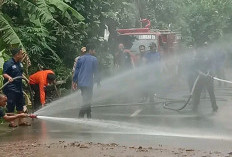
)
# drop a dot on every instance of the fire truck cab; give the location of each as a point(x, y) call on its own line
point(165, 40)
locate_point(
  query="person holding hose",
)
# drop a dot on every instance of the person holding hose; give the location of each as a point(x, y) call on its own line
point(13, 90)
point(9, 117)
point(202, 66)
point(38, 81)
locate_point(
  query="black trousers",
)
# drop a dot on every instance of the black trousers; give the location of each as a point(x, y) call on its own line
point(14, 100)
point(207, 83)
point(36, 97)
point(87, 95)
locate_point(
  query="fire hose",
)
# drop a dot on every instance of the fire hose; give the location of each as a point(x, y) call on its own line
point(30, 91)
point(218, 79)
point(171, 101)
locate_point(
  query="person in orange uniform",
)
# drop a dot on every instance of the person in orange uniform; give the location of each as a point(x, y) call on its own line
point(38, 81)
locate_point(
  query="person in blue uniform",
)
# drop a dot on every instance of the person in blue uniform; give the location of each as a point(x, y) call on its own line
point(85, 72)
point(152, 58)
point(14, 92)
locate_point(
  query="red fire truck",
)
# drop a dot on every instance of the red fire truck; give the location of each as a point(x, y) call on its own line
point(166, 40)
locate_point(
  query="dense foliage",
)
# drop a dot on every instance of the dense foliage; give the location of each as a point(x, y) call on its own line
point(53, 31)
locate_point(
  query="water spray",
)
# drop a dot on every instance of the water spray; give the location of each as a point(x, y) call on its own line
point(170, 101)
point(218, 79)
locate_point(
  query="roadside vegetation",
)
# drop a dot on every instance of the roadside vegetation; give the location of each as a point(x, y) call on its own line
point(51, 32)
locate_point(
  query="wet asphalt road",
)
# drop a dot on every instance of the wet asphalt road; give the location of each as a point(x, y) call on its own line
point(140, 124)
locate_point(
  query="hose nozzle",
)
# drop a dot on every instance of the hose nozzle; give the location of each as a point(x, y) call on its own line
point(32, 116)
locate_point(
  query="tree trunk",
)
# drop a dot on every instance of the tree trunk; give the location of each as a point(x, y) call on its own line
point(1, 2)
point(138, 15)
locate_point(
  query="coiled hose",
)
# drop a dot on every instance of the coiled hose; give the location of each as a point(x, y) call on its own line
point(27, 81)
point(171, 101)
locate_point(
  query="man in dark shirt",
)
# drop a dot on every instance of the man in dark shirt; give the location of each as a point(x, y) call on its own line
point(140, 58)
point(122, 59)
point(14, 92)
point(203, 65)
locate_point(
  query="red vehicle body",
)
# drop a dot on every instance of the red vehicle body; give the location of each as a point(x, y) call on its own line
point(166, 40)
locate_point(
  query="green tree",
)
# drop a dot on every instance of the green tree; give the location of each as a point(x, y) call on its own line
point(206, 20)
point(38, 26)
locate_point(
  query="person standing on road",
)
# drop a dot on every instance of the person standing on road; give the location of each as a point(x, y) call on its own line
point(123, 59)
point(14, 91)
point(152, 58)
point(203, 66)
point(85, 73)
point(140, 60)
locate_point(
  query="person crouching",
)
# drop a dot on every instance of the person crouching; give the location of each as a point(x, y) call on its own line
point(38, 81)
point(10, 117)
